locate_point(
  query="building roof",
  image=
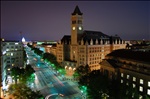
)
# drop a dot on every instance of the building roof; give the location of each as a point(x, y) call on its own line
point(109, 63)
point(129, 54)
point(77, 11)
point(66, 39)
point(10, 41)
point(88, 35)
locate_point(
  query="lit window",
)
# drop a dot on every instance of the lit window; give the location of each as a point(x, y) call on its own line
point(16, 43)
point(12, 64)
point(148, 83)
point(11, 54)
point(141, 89)
point(140, 97)
point(121, 81)
point(121, 74)
point(4, 52)
point(141, 81)
point(8, 54)
point(148, 91)
point(134, 79)
point(128, 76)
point(134, 85)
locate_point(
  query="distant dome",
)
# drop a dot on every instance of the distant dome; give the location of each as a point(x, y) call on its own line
point(23, 39)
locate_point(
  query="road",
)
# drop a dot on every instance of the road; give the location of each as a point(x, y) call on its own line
point(47, 81)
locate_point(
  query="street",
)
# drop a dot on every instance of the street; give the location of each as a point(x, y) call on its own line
point(47, 81)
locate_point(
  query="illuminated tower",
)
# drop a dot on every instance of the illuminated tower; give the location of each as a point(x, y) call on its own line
point(76, 32)
point(76, 25)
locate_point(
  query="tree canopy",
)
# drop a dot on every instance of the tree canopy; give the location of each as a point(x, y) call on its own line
point(21, 91)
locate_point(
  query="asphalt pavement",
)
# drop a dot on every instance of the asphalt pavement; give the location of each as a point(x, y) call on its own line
point(47, 81)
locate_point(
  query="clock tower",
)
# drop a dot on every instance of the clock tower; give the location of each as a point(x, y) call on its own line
point(76, 26)
point(76, 32)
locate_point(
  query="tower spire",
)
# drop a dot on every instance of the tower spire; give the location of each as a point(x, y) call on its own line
point(77, 11)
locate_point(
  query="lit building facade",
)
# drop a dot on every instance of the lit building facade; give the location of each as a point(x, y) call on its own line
point(84, 47)
point(12, 55)
point(130, 72)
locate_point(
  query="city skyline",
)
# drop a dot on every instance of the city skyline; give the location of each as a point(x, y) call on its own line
point(51, 20)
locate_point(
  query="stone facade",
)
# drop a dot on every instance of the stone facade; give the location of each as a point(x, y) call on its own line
point(85, 47)
point(129, 72)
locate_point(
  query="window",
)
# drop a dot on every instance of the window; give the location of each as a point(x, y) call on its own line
point(148, 91)
point(148, 83)
point(141, 88)
point(128, 76)
point(11, 54)
point(134, 79)
point(121, 74)
point(73, 22)
point(7, 54)
point(121, 81)
point(79, 22)
point(140, 97)
point(141, 81)
point(134, 85)
point(127, 83)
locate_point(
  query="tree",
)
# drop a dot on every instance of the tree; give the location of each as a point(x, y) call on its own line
point(24, 75)
point(21, 91)
point(16, 72)
point(82, 70)
point(87, 69)
point(28, 75)
point(96, 82)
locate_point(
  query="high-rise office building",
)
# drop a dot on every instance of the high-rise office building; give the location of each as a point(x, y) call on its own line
point(12, 55)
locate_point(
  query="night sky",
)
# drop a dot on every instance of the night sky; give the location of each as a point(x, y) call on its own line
point(51, 20)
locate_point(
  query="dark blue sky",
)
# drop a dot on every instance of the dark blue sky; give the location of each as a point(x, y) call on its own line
point(50, 20)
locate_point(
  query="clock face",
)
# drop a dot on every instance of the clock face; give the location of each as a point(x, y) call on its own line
point(80, 28)
point(73, 28)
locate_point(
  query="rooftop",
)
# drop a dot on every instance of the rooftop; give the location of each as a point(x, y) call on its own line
point(77, 11)
point(130, 54)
